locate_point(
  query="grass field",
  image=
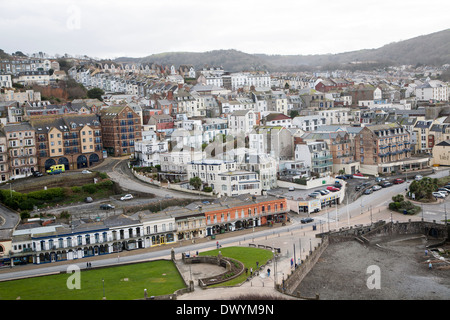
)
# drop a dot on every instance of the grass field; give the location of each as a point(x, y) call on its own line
point(121, 283)
point(247, 255)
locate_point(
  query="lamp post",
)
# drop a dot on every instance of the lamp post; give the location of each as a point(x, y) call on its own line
point(103, 281)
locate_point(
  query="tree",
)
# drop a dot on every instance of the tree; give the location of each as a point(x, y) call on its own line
point(95, 93)
point(196, 182)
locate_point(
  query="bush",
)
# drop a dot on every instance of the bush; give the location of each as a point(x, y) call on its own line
point(76, 189)
point(207, 189)
point(89, 188)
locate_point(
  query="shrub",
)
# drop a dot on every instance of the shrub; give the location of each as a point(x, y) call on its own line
point(89, 188)
point(76, 189)
point(207, 189)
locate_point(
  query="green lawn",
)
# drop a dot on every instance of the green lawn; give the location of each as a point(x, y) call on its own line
point(247, 255)
point(121, 283)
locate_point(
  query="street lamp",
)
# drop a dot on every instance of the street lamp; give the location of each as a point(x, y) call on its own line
point(103, 281)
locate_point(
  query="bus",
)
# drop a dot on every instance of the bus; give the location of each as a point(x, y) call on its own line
point(56, 169)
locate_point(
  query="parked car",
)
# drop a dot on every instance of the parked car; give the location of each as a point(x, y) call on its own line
point(368, 191)
point(348, 176)
point(106, 206)
point(337, 184)
point(88, 200)
point(341, 177)
point(291, 188)
point(418, 177)
point(376, 187)
point(358, 187)
point(398, 181)
point(438, 195)
point(358, 175)
point(126, 197)
point(314, 194)
point(386, 184)
point(333, 189)
point(379, 179)
point(445, 190)
point(86, 171)
point(307, 220)
point(324, 192)
point(37, 174)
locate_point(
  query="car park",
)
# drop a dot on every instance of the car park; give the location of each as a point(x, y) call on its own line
point(368, 191)
point(126, 197)
point(307, 220)
point(376, 187)
point(398, 181)
point(106, 206)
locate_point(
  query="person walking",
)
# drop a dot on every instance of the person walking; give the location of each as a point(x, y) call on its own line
point(251, 272)
point(268, 272)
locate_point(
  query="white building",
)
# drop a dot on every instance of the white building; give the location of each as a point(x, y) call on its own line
point(309, 123)
point(5, 81)
point(432, 90)
point(241, 122)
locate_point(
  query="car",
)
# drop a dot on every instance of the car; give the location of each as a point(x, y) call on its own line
point(358, 175)
point(379, 179)
point(37, 174)
point(291, 188)
point(447, 186)
point(444, 190)
point(341, 177)
point(376, 187)
point(368, 191)
point(348, 176)
point(106, 206)
point(314, 194)
point(307, 220)
point(438, 195)
point(324, 192)
point(333, 189)
point(418, 177)
point(358, 187)
point(398, 181)
point(86, 171)
point(386, 184)
point(337, 184)
point(126, 197)
point(88, 200)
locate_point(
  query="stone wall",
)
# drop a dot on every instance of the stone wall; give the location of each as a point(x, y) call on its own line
point(295, 278)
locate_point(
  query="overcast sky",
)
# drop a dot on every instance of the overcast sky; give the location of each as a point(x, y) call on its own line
point(138, 28)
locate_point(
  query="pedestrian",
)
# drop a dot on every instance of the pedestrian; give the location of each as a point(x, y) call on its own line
point(430, 266)
point(426, 252)
point(251, 272)
point(257, 263)
point(246, 271)
point(268, 272)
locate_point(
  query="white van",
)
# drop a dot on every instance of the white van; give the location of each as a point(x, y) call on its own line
point(418, 178)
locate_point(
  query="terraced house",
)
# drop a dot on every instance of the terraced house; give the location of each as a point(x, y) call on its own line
point(45, 241)
point(72, 140)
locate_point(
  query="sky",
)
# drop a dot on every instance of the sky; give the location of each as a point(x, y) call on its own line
point(108, 29)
